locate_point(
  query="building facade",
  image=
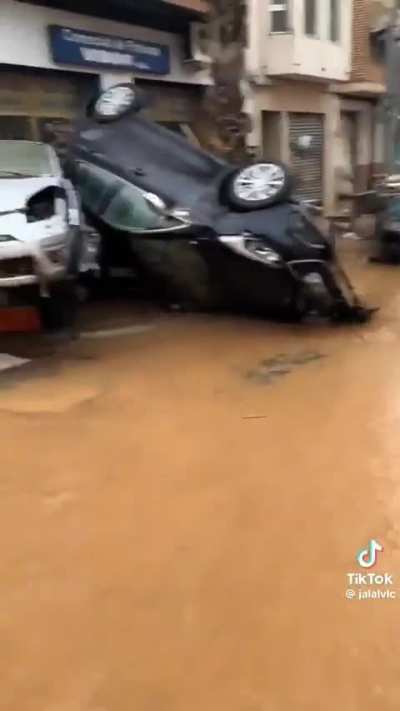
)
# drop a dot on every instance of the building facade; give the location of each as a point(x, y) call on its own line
point(362, 132)
point(55, 54)
point(314, 87)
point(315, 77)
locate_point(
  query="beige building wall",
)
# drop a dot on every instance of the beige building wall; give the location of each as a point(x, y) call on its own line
point(293, 53)
point(346, 158)
point(291, 73)
point(368, 76)
point(293, 97)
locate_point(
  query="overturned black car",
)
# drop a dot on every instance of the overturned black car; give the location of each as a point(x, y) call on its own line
point(205, 234)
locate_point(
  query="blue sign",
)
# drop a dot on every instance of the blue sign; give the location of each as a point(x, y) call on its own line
point(89, 49)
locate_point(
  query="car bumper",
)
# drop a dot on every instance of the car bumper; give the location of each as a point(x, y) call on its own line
point(41, 262)
point(329, 289)
point(15, 282)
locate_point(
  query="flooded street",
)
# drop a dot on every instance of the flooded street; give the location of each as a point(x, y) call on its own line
point(181, 505)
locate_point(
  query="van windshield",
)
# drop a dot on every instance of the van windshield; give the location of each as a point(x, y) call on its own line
point(24, 159)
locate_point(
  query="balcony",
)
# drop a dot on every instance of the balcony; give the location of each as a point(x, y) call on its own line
point(287, 55)
point(284, 42)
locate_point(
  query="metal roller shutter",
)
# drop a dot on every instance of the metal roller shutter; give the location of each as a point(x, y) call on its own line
point(306, 164)
point(41, 104)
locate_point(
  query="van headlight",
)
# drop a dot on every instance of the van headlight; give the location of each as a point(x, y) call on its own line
point(56, 250)
point(57, 256)
point(7, 238)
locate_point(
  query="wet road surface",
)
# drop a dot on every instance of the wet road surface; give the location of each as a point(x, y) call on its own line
point(180, 508)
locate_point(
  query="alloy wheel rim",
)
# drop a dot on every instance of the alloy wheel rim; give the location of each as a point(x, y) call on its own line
point(259, 182)
point(115, 100)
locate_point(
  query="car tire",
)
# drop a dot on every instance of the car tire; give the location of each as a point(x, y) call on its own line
point(97, 110)
point(270, 177)
point(75, 255)
point(58, 311)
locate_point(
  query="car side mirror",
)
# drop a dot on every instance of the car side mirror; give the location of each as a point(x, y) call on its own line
point(156, 203)
point(72, 204)
point(73, 217)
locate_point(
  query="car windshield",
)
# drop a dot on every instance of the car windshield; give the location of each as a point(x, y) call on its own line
point(24, 159)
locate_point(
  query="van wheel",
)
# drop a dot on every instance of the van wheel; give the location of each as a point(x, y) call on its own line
point(58, 311)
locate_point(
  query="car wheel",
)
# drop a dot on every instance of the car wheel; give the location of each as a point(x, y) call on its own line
point(258, 185)
point(115, 102)
point(58, 311)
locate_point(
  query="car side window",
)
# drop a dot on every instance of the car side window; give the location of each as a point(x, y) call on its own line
point(129, 210)
point(94, 184)
point(119, 203)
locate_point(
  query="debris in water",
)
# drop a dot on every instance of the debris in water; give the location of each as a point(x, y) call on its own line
point(254, 417)
point(282, 364)
point(115, 332)
point(351, 235)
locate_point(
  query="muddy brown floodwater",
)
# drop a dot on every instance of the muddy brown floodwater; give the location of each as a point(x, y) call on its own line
point(180, 508)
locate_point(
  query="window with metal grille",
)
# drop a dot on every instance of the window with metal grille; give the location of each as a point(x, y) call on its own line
point(334, 30)
point(310, 17)
point(279, 16)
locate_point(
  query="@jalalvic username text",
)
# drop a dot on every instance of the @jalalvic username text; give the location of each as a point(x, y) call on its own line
point(360, 586)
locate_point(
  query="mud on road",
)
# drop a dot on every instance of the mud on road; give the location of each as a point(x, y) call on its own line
point(180, 509)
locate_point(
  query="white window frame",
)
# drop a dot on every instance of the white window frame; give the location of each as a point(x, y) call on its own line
point(279, 6)
point(315, 33)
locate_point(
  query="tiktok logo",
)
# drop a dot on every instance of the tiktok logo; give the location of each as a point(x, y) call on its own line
point(367, 556)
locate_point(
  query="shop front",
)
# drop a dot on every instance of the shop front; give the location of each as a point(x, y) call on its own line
point(58, 60)
point(296, 122)
point(40, 105)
